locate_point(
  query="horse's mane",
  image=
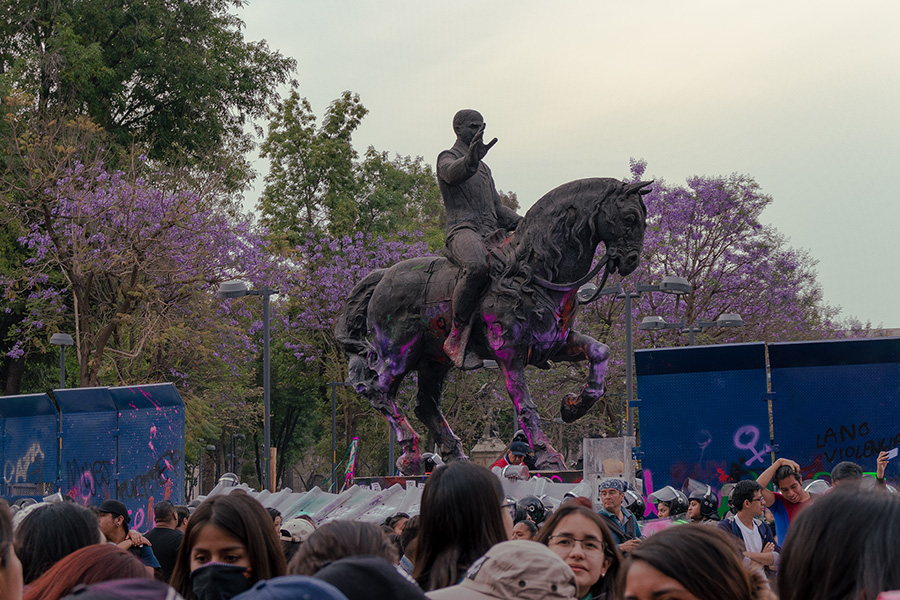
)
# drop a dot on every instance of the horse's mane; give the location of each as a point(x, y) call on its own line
point(552, 234)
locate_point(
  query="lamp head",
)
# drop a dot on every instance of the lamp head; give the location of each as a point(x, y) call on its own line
point(62, 339)
point(652, 323)
point(586, 291)
point(730, 320)
point(672, 284)
point(233, 289)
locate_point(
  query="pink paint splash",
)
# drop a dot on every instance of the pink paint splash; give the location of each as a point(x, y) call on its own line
point(150, 398)
point(648, 489)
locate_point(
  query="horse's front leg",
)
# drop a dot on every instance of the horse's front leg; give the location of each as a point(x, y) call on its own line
point(428, 409)
point(387, 369)
point(545, 456)
point(410, 461)
point(583, 347)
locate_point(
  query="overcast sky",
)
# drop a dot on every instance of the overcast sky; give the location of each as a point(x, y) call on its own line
point(801, 95)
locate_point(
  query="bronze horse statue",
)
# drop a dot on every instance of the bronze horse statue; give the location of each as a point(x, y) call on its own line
point(396, 319)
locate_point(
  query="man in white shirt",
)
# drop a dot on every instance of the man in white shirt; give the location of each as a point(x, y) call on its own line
point(759, 543)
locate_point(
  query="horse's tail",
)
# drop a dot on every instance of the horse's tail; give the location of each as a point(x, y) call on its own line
point(351, 326)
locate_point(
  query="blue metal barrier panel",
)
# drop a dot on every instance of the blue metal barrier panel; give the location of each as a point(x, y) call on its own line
point(151, 448)
point(837, 400)
point(702, 414)
point(88, 430)
point(29, 445)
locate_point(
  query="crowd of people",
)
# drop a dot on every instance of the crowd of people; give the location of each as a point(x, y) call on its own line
point(470, 541)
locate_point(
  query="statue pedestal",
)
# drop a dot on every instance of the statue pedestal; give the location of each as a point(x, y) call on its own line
point(487, 450)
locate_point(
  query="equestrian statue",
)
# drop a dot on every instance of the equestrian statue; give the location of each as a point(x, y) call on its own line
point(505, 291)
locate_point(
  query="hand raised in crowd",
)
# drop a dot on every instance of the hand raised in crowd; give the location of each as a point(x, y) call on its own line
point(788, 462)
point(881, 464)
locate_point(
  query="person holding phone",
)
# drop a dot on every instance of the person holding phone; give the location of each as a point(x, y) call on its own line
point(881, 465)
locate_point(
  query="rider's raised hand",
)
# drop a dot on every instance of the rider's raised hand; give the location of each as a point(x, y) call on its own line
point(478, 149)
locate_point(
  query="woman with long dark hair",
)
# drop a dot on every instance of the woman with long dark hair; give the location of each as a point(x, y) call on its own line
point(579, 536)
point(52, 532)
point(461, 518)
point(229, 545)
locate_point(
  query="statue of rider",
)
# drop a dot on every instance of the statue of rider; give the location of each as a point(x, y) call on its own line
point(474, 212)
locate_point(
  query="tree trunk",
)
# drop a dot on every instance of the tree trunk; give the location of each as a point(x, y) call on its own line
point(15, 368)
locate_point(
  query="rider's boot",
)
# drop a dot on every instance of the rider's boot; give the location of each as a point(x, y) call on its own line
point(455, 347)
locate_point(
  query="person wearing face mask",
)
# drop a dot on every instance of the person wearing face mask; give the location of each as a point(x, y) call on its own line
point(228, 546)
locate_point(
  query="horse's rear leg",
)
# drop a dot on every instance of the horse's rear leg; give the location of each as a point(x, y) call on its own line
point(428, 409)
point(583, 347)
point(545, 455)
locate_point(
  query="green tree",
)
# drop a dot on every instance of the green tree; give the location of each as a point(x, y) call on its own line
point(311, 174)
point(317, 183)
point(177, 78)
point(399, 194)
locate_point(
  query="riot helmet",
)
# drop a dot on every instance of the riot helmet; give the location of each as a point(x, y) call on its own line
point(533, 507)
point(229, 480)
point(704, 494)
point(676, 501)
point(816, 487)
point(634, 502)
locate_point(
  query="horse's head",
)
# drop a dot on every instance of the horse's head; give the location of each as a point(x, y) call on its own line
point(626, 219)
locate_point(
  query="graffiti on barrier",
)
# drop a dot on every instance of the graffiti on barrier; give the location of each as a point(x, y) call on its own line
point(853, 442)
point(28, 468)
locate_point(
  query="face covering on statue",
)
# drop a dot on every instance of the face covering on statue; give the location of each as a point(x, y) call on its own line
point(217, 581)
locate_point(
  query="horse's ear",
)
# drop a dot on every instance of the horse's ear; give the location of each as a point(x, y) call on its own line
point(641, 187)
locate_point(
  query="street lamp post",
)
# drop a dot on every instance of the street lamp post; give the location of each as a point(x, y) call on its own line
point(654, 322)
point(669, 285)
point(62, 340)
point(236, 289)
point(334, 386)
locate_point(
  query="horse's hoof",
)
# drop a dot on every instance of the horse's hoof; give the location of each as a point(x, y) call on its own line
point(471, 362)
point(455, 455)
point(573, 407)
point(549, 460)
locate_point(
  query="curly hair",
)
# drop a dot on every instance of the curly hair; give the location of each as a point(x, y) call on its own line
point(340, 539)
